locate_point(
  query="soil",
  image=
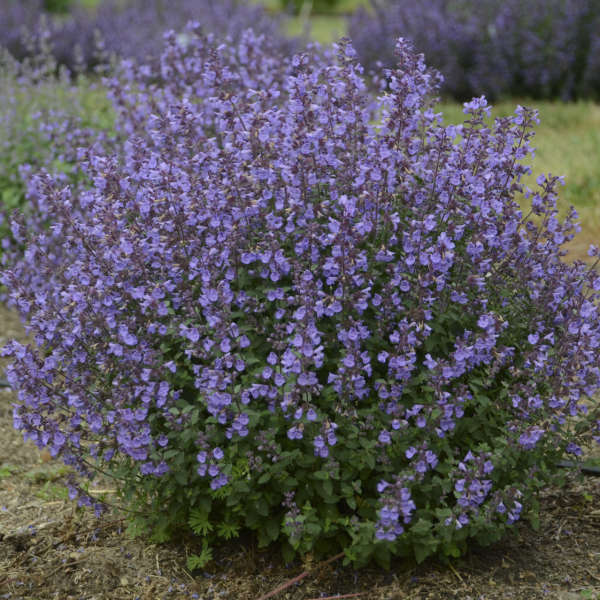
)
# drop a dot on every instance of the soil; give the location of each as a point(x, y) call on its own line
point(50, 549)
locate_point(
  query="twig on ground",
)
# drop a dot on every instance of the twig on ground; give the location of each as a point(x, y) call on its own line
point(300, 577)
point(585, 469)
point(592, 575)
point(355, 595)
point(456, 572)
point(36, 505)
point(64, 566)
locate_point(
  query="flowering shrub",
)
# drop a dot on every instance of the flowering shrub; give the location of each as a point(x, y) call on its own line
point(287, 308)
point(538, 49)
point(135, 30)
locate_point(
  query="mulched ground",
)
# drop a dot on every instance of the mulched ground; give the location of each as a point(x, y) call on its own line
point(50, 549)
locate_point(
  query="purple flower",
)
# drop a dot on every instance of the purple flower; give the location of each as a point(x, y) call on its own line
point(384, 437)
point(531, 437)
point(295, 433)
point(126, 337)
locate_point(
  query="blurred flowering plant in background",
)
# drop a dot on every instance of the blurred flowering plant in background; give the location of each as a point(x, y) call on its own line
point(132, 29)
point(537, 49)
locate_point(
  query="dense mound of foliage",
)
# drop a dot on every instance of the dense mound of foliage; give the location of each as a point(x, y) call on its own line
point(536, 49)
point(282, 306)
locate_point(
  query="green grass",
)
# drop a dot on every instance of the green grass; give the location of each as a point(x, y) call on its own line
point(7, 470)
point(19, 139)
point(341, 7)
point(324, 29)
point(321, 28)
point(45, 473)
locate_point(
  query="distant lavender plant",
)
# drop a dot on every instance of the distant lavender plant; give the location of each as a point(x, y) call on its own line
point(285, 307)
point(132, 29)
point(26, 28)
point(538, 49)
point(135, 30)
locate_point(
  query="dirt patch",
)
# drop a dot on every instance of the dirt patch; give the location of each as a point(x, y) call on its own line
point(50, 549)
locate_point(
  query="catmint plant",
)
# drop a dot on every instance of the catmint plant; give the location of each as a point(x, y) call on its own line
point(284, 306)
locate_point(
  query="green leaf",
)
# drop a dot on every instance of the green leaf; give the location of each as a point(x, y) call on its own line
point(290, 483)
point(171, 453)
point(181, 477)
point(272, 529)
point(228, 530)
point(161, 533)
point(251, 518)
point(262, 508)
point(204, 503)
point(534, 520)
point(199, 522)
point(323, 475)
point(264, 478)
point(382, 556)
point(422, 551)
point(306, 460)
point(199, 561)
point(452, 550)
point(7, 470)
point(241, 486)
point(421, 528)
point(287, 552)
